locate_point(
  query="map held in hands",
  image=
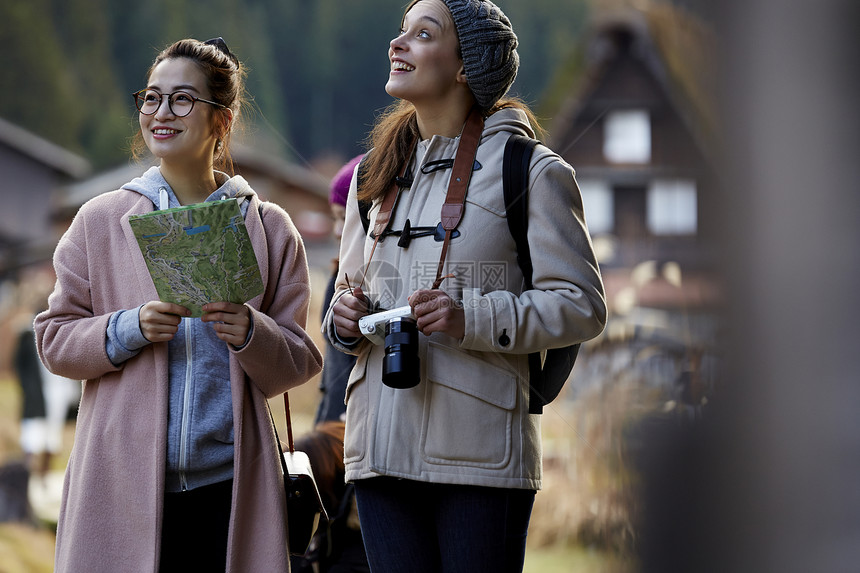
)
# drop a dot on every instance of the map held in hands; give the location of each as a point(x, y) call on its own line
point(198, 254)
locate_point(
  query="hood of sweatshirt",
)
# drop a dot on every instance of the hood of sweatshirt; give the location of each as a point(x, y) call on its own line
point(152, 182)
point(508, 119)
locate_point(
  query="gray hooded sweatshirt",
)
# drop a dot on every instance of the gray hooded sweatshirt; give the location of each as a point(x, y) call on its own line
point(200, 416)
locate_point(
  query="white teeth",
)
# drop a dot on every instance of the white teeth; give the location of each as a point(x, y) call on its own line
point(402, 66)
point(164, 131)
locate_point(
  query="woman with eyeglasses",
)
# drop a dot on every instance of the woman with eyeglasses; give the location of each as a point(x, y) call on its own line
point(443, 451)
point(175, 465)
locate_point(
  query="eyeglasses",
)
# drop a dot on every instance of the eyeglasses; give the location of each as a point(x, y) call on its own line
point(180, 103)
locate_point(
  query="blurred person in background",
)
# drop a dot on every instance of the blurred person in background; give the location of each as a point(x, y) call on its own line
point(175, 465)
point(337, 364)
point(446, 471)
point(47, 400)
point(35, 442)
point(337, 546)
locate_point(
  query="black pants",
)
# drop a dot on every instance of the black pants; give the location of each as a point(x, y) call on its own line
point(194, 530)
point(417, 527)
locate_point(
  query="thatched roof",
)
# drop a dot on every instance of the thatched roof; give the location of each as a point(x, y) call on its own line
point(674, 44)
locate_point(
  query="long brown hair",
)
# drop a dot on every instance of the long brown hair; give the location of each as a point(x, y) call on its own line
point(395, 133)
point(225, 79)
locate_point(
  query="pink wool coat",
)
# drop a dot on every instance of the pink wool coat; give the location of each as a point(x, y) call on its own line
point(110, 519)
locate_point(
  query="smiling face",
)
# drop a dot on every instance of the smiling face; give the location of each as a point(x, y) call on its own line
point(180, 140)
point(425, 60)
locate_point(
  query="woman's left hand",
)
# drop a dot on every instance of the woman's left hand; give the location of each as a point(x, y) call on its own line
point(231, 321)
point(435, 311)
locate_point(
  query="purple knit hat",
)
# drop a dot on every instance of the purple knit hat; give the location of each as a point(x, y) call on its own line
point(339, 188)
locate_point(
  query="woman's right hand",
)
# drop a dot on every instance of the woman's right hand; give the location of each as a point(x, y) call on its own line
point(347, 311)
point(159, 321)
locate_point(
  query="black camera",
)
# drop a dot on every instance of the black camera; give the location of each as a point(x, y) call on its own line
point(401, 365)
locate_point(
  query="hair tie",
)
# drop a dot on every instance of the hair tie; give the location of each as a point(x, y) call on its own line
point(222, 46)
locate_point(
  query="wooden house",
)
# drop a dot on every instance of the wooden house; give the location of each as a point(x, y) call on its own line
point(634, 119)
point(631, 111)
point(34, 173)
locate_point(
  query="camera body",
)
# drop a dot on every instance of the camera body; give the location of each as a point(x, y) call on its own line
point(372, 326)
point(398, 330)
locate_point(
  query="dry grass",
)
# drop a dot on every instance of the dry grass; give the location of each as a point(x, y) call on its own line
point(23, 548)
point(574, 559)
point(588, 489)
point(26, 549)
point(10, 400)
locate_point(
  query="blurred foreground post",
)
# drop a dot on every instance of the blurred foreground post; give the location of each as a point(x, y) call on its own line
point(773, 482)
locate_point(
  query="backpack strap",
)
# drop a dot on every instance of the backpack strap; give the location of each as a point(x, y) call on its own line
point(363, 206)
point(515, 182)
point(545, 382)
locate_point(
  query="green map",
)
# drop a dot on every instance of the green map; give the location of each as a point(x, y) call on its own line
point(198, 254)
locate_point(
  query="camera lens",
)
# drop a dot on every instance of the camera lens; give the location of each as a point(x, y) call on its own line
point(400, 367)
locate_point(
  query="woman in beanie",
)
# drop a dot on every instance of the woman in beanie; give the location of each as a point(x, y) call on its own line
point(175, 465)
point(446, 470)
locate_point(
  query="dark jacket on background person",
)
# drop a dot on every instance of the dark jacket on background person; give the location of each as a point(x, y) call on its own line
point(28, 371)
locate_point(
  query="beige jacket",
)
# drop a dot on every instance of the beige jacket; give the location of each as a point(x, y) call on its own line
point(467, 422)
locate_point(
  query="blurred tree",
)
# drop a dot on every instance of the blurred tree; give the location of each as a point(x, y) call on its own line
point(548, 32)
point(37, 90)
point(84, 30)
point(317, 70)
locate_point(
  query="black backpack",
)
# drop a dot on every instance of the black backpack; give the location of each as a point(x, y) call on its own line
point(547, 380)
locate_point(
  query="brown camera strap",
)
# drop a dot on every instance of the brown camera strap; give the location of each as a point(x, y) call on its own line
point(452, 209)
point(464, 161)
point(383, 218)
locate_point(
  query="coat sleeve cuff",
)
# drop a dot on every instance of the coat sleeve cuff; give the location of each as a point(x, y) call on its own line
point(489, 322)
point(124, 338)
point(347, 345)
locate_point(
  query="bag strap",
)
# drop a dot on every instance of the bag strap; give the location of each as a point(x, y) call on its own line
point(286, 395)
point(515, 183)
point(280, 447)
point(289, 422)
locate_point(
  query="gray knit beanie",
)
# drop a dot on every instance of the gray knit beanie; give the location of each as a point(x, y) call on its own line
point(488, 46)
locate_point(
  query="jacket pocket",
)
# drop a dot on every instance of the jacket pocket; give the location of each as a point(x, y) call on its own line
point(356, 411)
point(470, 409)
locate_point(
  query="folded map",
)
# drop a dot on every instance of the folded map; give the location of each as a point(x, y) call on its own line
point(198, 254)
